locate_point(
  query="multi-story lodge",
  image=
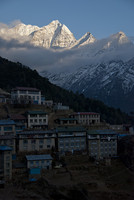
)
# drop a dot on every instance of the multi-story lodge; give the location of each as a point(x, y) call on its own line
point(37, 119)
point(35, 140)
point(70, 139)
point(87, 118)
point(7, 127)
point(5, 162)
point(102, 143)
point(26, 95)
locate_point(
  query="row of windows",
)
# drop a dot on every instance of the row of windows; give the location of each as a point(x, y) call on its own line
point(89, 116)
point(33, 147)
point(34, 141)
point(39, 121)
point(72, 139)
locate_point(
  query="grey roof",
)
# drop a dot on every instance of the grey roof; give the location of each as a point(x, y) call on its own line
point(39, 157)
point(5, 148)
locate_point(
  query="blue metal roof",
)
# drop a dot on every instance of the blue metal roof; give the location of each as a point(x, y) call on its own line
point(5, 148)
point(39, 157)
point(102, 132)
point(7, 122)
point(70, 129)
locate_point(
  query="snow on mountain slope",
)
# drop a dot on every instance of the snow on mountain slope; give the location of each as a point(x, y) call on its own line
point(53, 35)
point(84, 40)
point(102, 69)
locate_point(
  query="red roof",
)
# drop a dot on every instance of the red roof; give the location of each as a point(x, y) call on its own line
point(25, 88)
point(17, 116)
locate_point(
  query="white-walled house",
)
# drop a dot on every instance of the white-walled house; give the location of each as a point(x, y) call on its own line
point(25, 95)
point(37, 119)
point(87, 118)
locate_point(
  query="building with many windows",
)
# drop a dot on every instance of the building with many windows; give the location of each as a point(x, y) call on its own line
point(102, 143)
point(25, 95)
point(70, 139)
point(39, 161)
point(87, 118)
point(5, 162)
point(7, 127)
point(37, 119)
point(35, 140)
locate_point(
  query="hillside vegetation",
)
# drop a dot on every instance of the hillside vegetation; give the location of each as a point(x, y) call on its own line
point(15, 74)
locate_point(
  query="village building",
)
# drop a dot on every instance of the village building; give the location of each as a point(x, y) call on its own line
point(102, 144)
point(9, 140)
point(71, 139)
point(20, 122)
point(25, 95)
point(87, 118)
point(5, 162)
point(35, 140)
point(37, 119)
point(66, 121)
point(7, 127)
point(39, 161)
point(59, 106)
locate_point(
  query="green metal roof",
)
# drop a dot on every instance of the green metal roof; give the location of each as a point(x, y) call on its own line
point(67, 119)
point(70, 129)
point(36, 112)
point(101, 132)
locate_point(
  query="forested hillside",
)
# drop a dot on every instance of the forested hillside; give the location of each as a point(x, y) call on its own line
point(15, 74)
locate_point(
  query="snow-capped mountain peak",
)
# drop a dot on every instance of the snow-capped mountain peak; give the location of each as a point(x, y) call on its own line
point(88, 38)
point(120, 38)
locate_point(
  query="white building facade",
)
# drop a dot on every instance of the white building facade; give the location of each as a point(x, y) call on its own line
point(26, 95)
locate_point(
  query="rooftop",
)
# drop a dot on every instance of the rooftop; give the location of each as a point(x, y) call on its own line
point(7, 122)
point(39, 157)
point(36, 132)
point(17, 117)
point(36, 112)
point(70, 129)
point(5, 148)
point(67, 119)
point(25, 88)
point(102, 132)
point(85, 113)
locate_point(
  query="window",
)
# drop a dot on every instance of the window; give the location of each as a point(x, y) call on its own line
point(7, 157)
point(33, 141)
point(7, 164)
point(48, 141)
point(8, 128)
point(25, 141)
point(41, 141)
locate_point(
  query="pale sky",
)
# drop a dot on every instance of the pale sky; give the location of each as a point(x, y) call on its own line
point(102, 18)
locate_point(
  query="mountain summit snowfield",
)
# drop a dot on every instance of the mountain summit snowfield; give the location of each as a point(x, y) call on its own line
point(101, 69)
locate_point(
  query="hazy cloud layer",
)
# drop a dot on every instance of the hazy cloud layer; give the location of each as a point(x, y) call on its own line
point(19, 49)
